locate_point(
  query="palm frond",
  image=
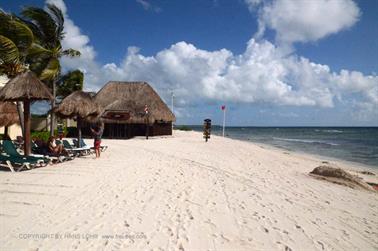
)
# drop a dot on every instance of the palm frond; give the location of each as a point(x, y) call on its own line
point(57, 15)
point(71, 53)
point(45, 23)
point(34, 28)
point(38, 62)
point(17, 31)
point(9, 52)
point(37, 50)
point(52, 70)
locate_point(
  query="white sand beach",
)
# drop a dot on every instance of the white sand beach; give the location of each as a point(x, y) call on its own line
point(180, 193)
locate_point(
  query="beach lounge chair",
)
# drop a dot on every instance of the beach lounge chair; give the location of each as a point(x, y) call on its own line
point(16, 164)
point(82, 144)
point(10, 150)
point(80, 151)
point(40, 150)
point(19, 142)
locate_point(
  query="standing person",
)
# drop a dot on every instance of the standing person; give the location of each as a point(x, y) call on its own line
point(146, 114)
point(97, 134)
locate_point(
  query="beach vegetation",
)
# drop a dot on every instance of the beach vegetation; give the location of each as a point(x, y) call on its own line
point(17, 41)
point(48, 25)
point(70, 82)
point(33, 42)
point(183, 128)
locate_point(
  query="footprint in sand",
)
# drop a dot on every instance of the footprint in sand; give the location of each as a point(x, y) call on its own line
point(189, 214)
point(180, 247)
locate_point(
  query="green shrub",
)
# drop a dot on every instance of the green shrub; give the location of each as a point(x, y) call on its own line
point(41, 135)
point(183, 128)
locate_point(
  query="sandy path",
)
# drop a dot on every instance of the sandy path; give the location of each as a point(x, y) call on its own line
point(183, 194)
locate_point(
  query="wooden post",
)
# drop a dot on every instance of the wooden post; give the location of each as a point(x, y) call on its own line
point(27, 149)
point(78, 120)
point(224, 119)
point(6, 131)
point(20, 110)
point(53, 104)
point(147, 127)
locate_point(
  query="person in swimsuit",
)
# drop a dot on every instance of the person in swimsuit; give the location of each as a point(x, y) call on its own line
point(97, 134)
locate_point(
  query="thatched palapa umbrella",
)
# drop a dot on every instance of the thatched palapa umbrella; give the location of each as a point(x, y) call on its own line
point(79, 105)
point(8, 115)
point(25, 87)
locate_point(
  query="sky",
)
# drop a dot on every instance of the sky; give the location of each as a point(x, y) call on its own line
point(271, 62)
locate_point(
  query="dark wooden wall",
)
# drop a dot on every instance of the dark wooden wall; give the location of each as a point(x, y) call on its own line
point(126, 131)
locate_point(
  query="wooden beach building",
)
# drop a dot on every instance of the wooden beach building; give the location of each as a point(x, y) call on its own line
point(124, 110)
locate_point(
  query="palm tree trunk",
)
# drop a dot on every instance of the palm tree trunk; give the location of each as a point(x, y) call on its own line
point(52, 122)
point(20, 110)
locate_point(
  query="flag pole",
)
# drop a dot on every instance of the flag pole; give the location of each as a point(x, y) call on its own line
point(224, 119)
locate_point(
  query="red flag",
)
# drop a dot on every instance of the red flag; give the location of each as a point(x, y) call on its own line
point(223, 107)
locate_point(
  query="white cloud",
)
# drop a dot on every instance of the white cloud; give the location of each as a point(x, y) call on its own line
point(76, 40)
point(261, 74)
point(304, 20)
point(148, 6)
point(253, 4)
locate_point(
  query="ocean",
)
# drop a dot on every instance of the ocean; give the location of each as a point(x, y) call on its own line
point(356, 144)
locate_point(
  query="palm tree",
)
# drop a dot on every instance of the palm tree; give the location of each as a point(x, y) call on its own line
point(16, 42)
point(47, 27)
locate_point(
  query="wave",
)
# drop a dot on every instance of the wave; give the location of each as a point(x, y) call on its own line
point(307, 141)
point(329, 131)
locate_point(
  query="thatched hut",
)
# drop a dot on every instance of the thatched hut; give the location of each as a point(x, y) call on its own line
point(78, 105)
point(124, 114)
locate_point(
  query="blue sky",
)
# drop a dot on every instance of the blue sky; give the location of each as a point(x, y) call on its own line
point(310, 63)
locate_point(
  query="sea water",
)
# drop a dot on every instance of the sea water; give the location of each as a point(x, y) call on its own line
point(357, 144)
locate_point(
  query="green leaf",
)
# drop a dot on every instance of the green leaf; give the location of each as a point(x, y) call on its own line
point(17, 31)
point(38, 50)
point(45, 24)
point(8, 51)
point(70, 82)
point(58, 17)
point(51, 71)
point(71, 53)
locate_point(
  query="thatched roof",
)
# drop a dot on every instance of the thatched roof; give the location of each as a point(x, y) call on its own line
point(78, 104)
point(131, 97)
point(8, 114)
point(25, 86)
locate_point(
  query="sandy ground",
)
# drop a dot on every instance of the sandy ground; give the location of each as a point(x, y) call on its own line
point(180, 193)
